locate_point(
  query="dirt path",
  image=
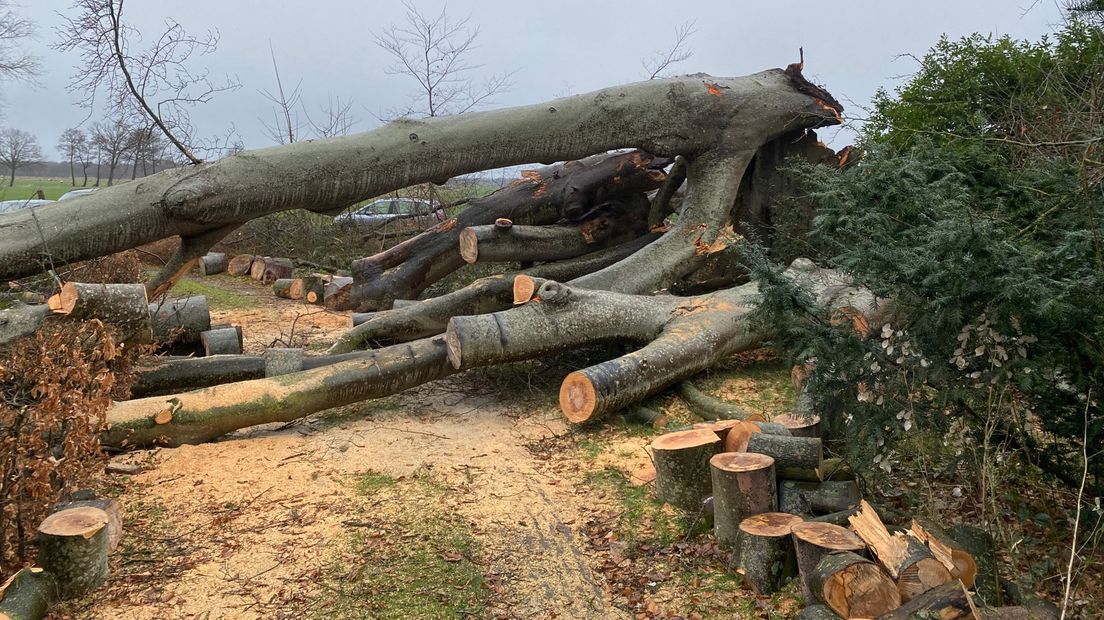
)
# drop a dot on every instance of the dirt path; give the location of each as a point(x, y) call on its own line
point(248, 526)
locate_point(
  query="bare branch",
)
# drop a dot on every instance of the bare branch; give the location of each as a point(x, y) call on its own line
point(676, 53)
point(15, 64)
point(154, 83)
point(285, 127)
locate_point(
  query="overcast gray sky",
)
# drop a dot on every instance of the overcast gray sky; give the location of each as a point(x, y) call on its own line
point(566, 47)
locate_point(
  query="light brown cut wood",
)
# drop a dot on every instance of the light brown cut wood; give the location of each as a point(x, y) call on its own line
point(73, 546)
point(524, 288)
point(940, 551)
point(949, 601)
point(503, 223)
point(277, 269)
point(799, 426)
point(770, 524)
point(282, 288)
point(163, 417)
point(764, 551)
point(239, 265)
point(679, 440)
point(577, 397)
point(82, 521)
point(907, 559)
point(257, 267)
point(890, 550)
point(814, 540)
point(336, 294)
point(469, 245)
point(853, 586)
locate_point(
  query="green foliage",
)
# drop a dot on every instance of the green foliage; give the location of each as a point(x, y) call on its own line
point(976, 209)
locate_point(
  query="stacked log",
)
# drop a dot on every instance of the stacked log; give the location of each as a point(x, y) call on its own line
point(123, 305)
point(682, 467)
point(764, 553)
point(276, 269)
point(240, 265)
point(257, 267)
point(212, 263)
point(743, 486)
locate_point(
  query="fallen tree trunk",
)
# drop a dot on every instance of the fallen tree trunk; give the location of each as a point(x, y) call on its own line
point(180, 320)
point(949, 601)
point(202, 415)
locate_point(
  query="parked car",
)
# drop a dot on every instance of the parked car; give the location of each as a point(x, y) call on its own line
point(385, 210)
point(15, 205)
point(84, 191)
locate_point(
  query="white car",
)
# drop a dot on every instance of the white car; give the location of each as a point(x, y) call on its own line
point(384, 210)
point(15, 205)
point(84, 191)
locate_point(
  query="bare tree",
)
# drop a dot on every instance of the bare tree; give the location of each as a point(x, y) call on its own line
point(154, 82)
point(18, 148)
point(285, 126)
point(336, 118)
point(14, 62)
point(71, 145)
point(677, 52)
point(434, 52)
point(113, 140)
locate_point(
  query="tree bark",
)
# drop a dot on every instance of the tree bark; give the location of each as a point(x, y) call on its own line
point(818, 498)
point(73, 547)
point(853, 586)
point(111, 508)
point(788, 452)
point(743, 485)
point(224, 341)
point(682, 467)
point(283, 288)
point(180, 320)
point(949, 601)
point(212, 263)
point(27, 595)
point(202, 415)
point(123, 305)
point(764, 553)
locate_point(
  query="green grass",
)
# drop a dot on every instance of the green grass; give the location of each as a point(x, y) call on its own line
point(25, 187)
point(413, 564)
point(217, 298)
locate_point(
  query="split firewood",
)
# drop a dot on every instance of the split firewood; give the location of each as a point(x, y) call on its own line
point(960, 563)
point(743, 485)
point(212, 263)
point(981, 547)
point(123, 305)
point(853, 586)
point(812, 541)
point(257, 267)
point(277, 269)
point(180, 320)
point(336, 294)
point(27, 595)
point(764, 553)
point(224, 341)
point(240, 265)
point(682, 467)
point(908, 561)
point(73, 546)
point(947, 601)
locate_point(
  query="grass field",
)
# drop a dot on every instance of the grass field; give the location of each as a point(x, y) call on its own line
point(25, 187)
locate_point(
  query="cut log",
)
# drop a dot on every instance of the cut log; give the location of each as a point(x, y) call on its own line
point(310, 289)
point(960, 564)
point(646, 415)
point(224, 341)
point(708, 407)
point(788, 452)
point(202, 415)
point(279, 361)
point(73, 547)
point(800, 426)
point(492, 244)
point(743, 485)
point(853, 586)
point(110, 506)
point(180, 320)
point(818, 498)
point(123, 305)
point(360, 317)
point(21, 320)
point(257, 268)
point(240, 265)
point(335, 295)
point(282, 288)
point(212, 263)
point(948, 601)
point(835, 468)
point(841, 518)
point(739, 432)
point(27, 595)
point(276, 269)
point(682, 467)
point(158, 375)
point(908, 561)
point(812, 541)
point(980, 546)
point(764, 553)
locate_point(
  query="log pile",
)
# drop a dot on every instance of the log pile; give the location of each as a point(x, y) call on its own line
point(784, 512)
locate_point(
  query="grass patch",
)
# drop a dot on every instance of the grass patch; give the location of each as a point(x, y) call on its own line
point(643, 520)
point(589, 449)
point(25, 187)
point(217, 298)
point(411, 558)
point(760, 385)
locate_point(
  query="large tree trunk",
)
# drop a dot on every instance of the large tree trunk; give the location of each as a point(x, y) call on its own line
point(719, 120)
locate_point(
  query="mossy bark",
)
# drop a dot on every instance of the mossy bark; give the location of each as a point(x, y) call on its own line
point(28, 594)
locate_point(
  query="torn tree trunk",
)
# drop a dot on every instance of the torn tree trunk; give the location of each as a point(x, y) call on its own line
point(723, 120)
point(202, 415)
point(571, 191)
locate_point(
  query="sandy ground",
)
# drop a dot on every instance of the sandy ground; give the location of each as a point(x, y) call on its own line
point(247, 524)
